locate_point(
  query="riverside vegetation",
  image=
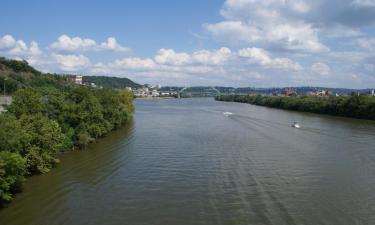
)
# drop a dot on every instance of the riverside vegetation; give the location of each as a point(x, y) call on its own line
point(49, 116)
point(356, 106)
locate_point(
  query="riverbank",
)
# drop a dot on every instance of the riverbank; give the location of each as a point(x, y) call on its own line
point(50, 115)
point(361, 107)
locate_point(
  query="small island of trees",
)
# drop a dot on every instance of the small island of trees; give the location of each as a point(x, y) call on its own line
point(355, 106)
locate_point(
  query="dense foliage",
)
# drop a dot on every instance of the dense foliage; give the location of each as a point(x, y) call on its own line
point(355, 106)
point(19, 74)
point(52, 117)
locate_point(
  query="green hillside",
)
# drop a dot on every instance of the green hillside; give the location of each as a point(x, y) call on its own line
point(110, 82)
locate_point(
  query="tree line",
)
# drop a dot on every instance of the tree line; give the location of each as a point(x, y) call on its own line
point(49, 118)
point(355, 106)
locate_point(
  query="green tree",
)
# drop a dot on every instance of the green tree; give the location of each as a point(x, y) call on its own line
point(46, 140)
point(13, 137)
point(26, 101)
point(12, 171)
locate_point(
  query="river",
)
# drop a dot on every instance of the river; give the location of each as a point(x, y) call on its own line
point(182, 161)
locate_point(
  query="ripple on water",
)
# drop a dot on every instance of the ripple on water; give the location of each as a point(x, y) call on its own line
point(184, 162)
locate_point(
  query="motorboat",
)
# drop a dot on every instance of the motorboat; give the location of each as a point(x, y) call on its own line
point(296, 125)
point(227, 113)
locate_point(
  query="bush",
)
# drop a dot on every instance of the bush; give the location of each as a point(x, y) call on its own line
point(12, 171)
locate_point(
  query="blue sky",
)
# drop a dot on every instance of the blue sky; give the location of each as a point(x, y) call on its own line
point(263, 43)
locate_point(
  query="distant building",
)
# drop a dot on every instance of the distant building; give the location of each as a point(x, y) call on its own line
point(168, 93)
point(324, 93)
point(75, 79)
point(289, 92)
point(155, 93)
point(321, 93)
point(373, 92)
point(5, 100)
point(78, 80)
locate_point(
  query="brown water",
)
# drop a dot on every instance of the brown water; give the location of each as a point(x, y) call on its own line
point(184, 162)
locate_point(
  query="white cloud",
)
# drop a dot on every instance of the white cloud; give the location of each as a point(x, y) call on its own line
point(71, 63)
point(234, 31)
point(261, 57)
point(339, 31)
point(367, 44)
point(135, 63)
point(10, 46)
point(364, 3)
point(75, 44)
point(7, 42)
point(112, 45)
point(170, 57)
point(217, 57)
point(321, 69)
point(66, 43)
point(269, 23)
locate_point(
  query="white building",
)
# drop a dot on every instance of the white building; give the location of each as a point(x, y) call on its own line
point(5, 100)
point(155, 93)
point(78, 80)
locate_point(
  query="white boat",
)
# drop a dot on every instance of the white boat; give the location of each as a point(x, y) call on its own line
point(227, 113)
point(296, 125)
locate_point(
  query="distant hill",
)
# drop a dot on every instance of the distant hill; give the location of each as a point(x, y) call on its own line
point(20, 74)
point(111, 82)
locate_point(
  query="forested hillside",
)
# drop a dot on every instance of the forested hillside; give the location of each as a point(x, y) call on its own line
point(19, 74)
point(48, 117)
point(111, 82)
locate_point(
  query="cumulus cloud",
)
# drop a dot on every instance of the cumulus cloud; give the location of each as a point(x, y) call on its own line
point(170, 57)
point(270, 23)
point(261, 57)
point(74, 44)
point(234, 31)
point(217, 57)
point(367, 43)
point(321, 69)
point(364, 3)
point(297, 25)
point(10, 46)
point(125, 64)
point(71, 63)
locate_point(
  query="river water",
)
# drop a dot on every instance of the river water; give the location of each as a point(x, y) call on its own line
point(182, 161)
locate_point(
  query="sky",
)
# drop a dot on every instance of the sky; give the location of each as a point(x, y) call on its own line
point(239, 43)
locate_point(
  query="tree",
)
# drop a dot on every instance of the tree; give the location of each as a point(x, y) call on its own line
point(13, 137)
point(26, 101)
point(12, 171)
point(46, 140)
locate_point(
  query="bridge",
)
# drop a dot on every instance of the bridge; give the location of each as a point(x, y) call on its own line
point(206, 91)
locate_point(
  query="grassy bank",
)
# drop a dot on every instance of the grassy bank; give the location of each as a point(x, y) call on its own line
point(362, 107)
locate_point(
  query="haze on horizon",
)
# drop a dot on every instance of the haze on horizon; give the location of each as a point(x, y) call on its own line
point(261, 43)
